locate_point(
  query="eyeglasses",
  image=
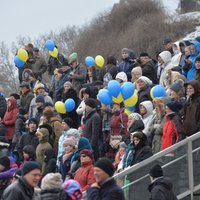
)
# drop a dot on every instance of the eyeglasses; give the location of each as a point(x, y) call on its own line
point(83, 155)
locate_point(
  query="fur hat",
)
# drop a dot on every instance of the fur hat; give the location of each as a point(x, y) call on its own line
point(52, 181)
point(156, 171)
point(30, 166)
point(87, 152)
point(106, 165)
point(69, 141)
point(5, 162)
point(40, 99)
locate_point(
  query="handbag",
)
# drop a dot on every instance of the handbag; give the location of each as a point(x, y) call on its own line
point(115, 141)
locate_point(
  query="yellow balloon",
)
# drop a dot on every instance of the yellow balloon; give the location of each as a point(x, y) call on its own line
point(119, 98)
point(128, 112)
point(54, 53)
point(151, 94)
point(60, 107)
point(99, 60)
point(132, 100)
point(22, 54)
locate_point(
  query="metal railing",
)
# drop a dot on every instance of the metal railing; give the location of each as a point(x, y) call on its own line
point(179, 157)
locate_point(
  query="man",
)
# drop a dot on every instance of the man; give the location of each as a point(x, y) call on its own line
point(105, 187)
point(23, 188)
point(92, 125)
point(149, 68)
point(40, 106)
point(28, 138)
point(40, 92)
point(160, 187)
point(39, 66)
point(168, 45)
point(79, 73)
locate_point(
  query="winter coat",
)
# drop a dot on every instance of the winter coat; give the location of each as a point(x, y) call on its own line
point(191, 117)
point(20, 190)
point(92, 130)
point(126, 66)
point(161, 189)
point(33, 108)
point(52, 194)
point(191, 73)
point(28, 138)
point(149, 70)
point(50, 160)
point(10, 118)
point(3, 106)
point(108, 191)
point(25, 100)
point(143, 95)
point(40, 66)
point(148, 117)
point(42, 147)
point(85, 175)
point(171, 130)
point(19, 129)
point(118, 123)
point(78, 77)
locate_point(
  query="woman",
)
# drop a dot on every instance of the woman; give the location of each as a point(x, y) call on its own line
point(91, 75)
point(191, 117)
point(10, 118)
point(85, 174)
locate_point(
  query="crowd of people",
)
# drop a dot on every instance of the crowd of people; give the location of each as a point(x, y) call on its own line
point(64, 154)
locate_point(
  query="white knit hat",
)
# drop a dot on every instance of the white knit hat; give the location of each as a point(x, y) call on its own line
point(145, 79)
point(122, 76)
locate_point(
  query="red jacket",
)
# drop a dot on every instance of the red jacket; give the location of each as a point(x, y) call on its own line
point(170, 133)
point(119, 123)
point(10, 118)
point(85, 176)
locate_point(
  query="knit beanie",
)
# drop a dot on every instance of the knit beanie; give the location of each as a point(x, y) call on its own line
point(73, 189)
point(87, 153)
point(40, 85)
point(174, 106)
point(91, 103)
point(84, 143)
point(106, 165)
point(5, 162)
point(30, 166)
point(69, 141)
point(156, 171)
point(73, 57)
point(40, 99)
point(177, 86)
point(68, 121)
point(145, 79)
point(52, 181)
point(126, 50)
point(135, 116)
point(68, 83)
point(73, 132)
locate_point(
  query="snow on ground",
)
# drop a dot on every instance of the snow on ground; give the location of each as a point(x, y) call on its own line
point(170, 6)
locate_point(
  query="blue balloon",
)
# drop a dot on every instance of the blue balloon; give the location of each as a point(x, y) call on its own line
point(158, 91)
point(89, 61)
point(69, 105)
point(19, 63)
point(50, 45)
point(114, 88)
point(127, 90)
point(104, 97)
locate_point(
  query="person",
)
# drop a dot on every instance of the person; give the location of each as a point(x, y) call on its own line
point(126, 65)
point(9, 118)
point(51, 188)
point(78, 74)
point(43, 137)
point(29, 138)
point(3, 105)
point(39, 66)
point(85, 174)
point(168, 45)
point(23, 188)
point(160, 187)
point(26, 96)
point(136, 72)
point(91, 76)
point(191, 116)
point(197, 64)
point(148, 67)
point(121, 77)
point(40, 107)
point(105, 186)
point(92, 125)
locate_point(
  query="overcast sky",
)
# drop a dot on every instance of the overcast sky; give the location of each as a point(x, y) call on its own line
point(35, 17)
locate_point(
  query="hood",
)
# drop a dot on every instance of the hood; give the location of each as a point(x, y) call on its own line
point(166, 56)
point(176, 48)
point(13, 103)
point(163, 181)
point(197, 46)
point(149, 107)
point(30, 150)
